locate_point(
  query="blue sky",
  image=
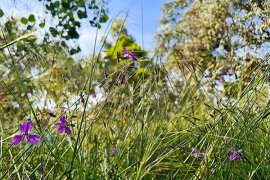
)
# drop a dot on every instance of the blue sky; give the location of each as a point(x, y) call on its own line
point(119, 8)
point(150, 16)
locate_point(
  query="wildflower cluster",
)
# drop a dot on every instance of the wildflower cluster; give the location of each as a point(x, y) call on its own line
point(196, 153)
point(27, 136)
point(234, 154)
point(26, 128)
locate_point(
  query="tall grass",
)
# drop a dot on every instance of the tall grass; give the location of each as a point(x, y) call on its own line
point(143, 128)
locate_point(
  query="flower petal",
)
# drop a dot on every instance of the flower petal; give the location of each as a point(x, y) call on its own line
point(203, 155)
point(115, 150)
point(193, 150)
point(125, 49)
point(68, 131)
point(61, 129)
point(33, 138)
point(30, 127)
point(63, 119)
point(60, 124)
point(17, 139)
point(235, 155)
point(134, 57)
point(125, 55)
point(23, 127)
point(26, 127)
point(128, 54)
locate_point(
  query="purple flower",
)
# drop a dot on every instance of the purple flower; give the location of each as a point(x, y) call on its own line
point(203, 154)
point(115, 150)
point(193, 150)
point(128, 54)
point(26, 135)
point(196, 153)
point(63, 125)
point(235, 154)
point(94, 95)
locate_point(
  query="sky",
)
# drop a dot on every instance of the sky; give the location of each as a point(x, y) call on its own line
point(142, 15)
point(141, 23)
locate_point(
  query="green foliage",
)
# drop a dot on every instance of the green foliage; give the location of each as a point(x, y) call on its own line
point(141, 73)
point(138, 119)
point(31, 18)
point(211, 34)
point(69, 14)
point(124, 41)
point(8, 27)
point(42, 25)
point(1, 13)
point(82, 14)
point(53, 31)
point(24, 20)
point(114, 56)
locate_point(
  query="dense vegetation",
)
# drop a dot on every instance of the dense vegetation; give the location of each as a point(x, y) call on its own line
point(197, 109)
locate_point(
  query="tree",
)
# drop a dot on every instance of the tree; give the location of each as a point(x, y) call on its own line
point(67, 15)
point(213, 36)
point(32, 69)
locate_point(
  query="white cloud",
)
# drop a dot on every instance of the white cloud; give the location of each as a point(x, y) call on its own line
point(87, 40)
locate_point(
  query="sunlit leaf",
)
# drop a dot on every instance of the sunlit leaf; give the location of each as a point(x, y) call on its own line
point(1, 13)
point(81, 14)
point(53, 31)
point(24, 20)
point(32, 18)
